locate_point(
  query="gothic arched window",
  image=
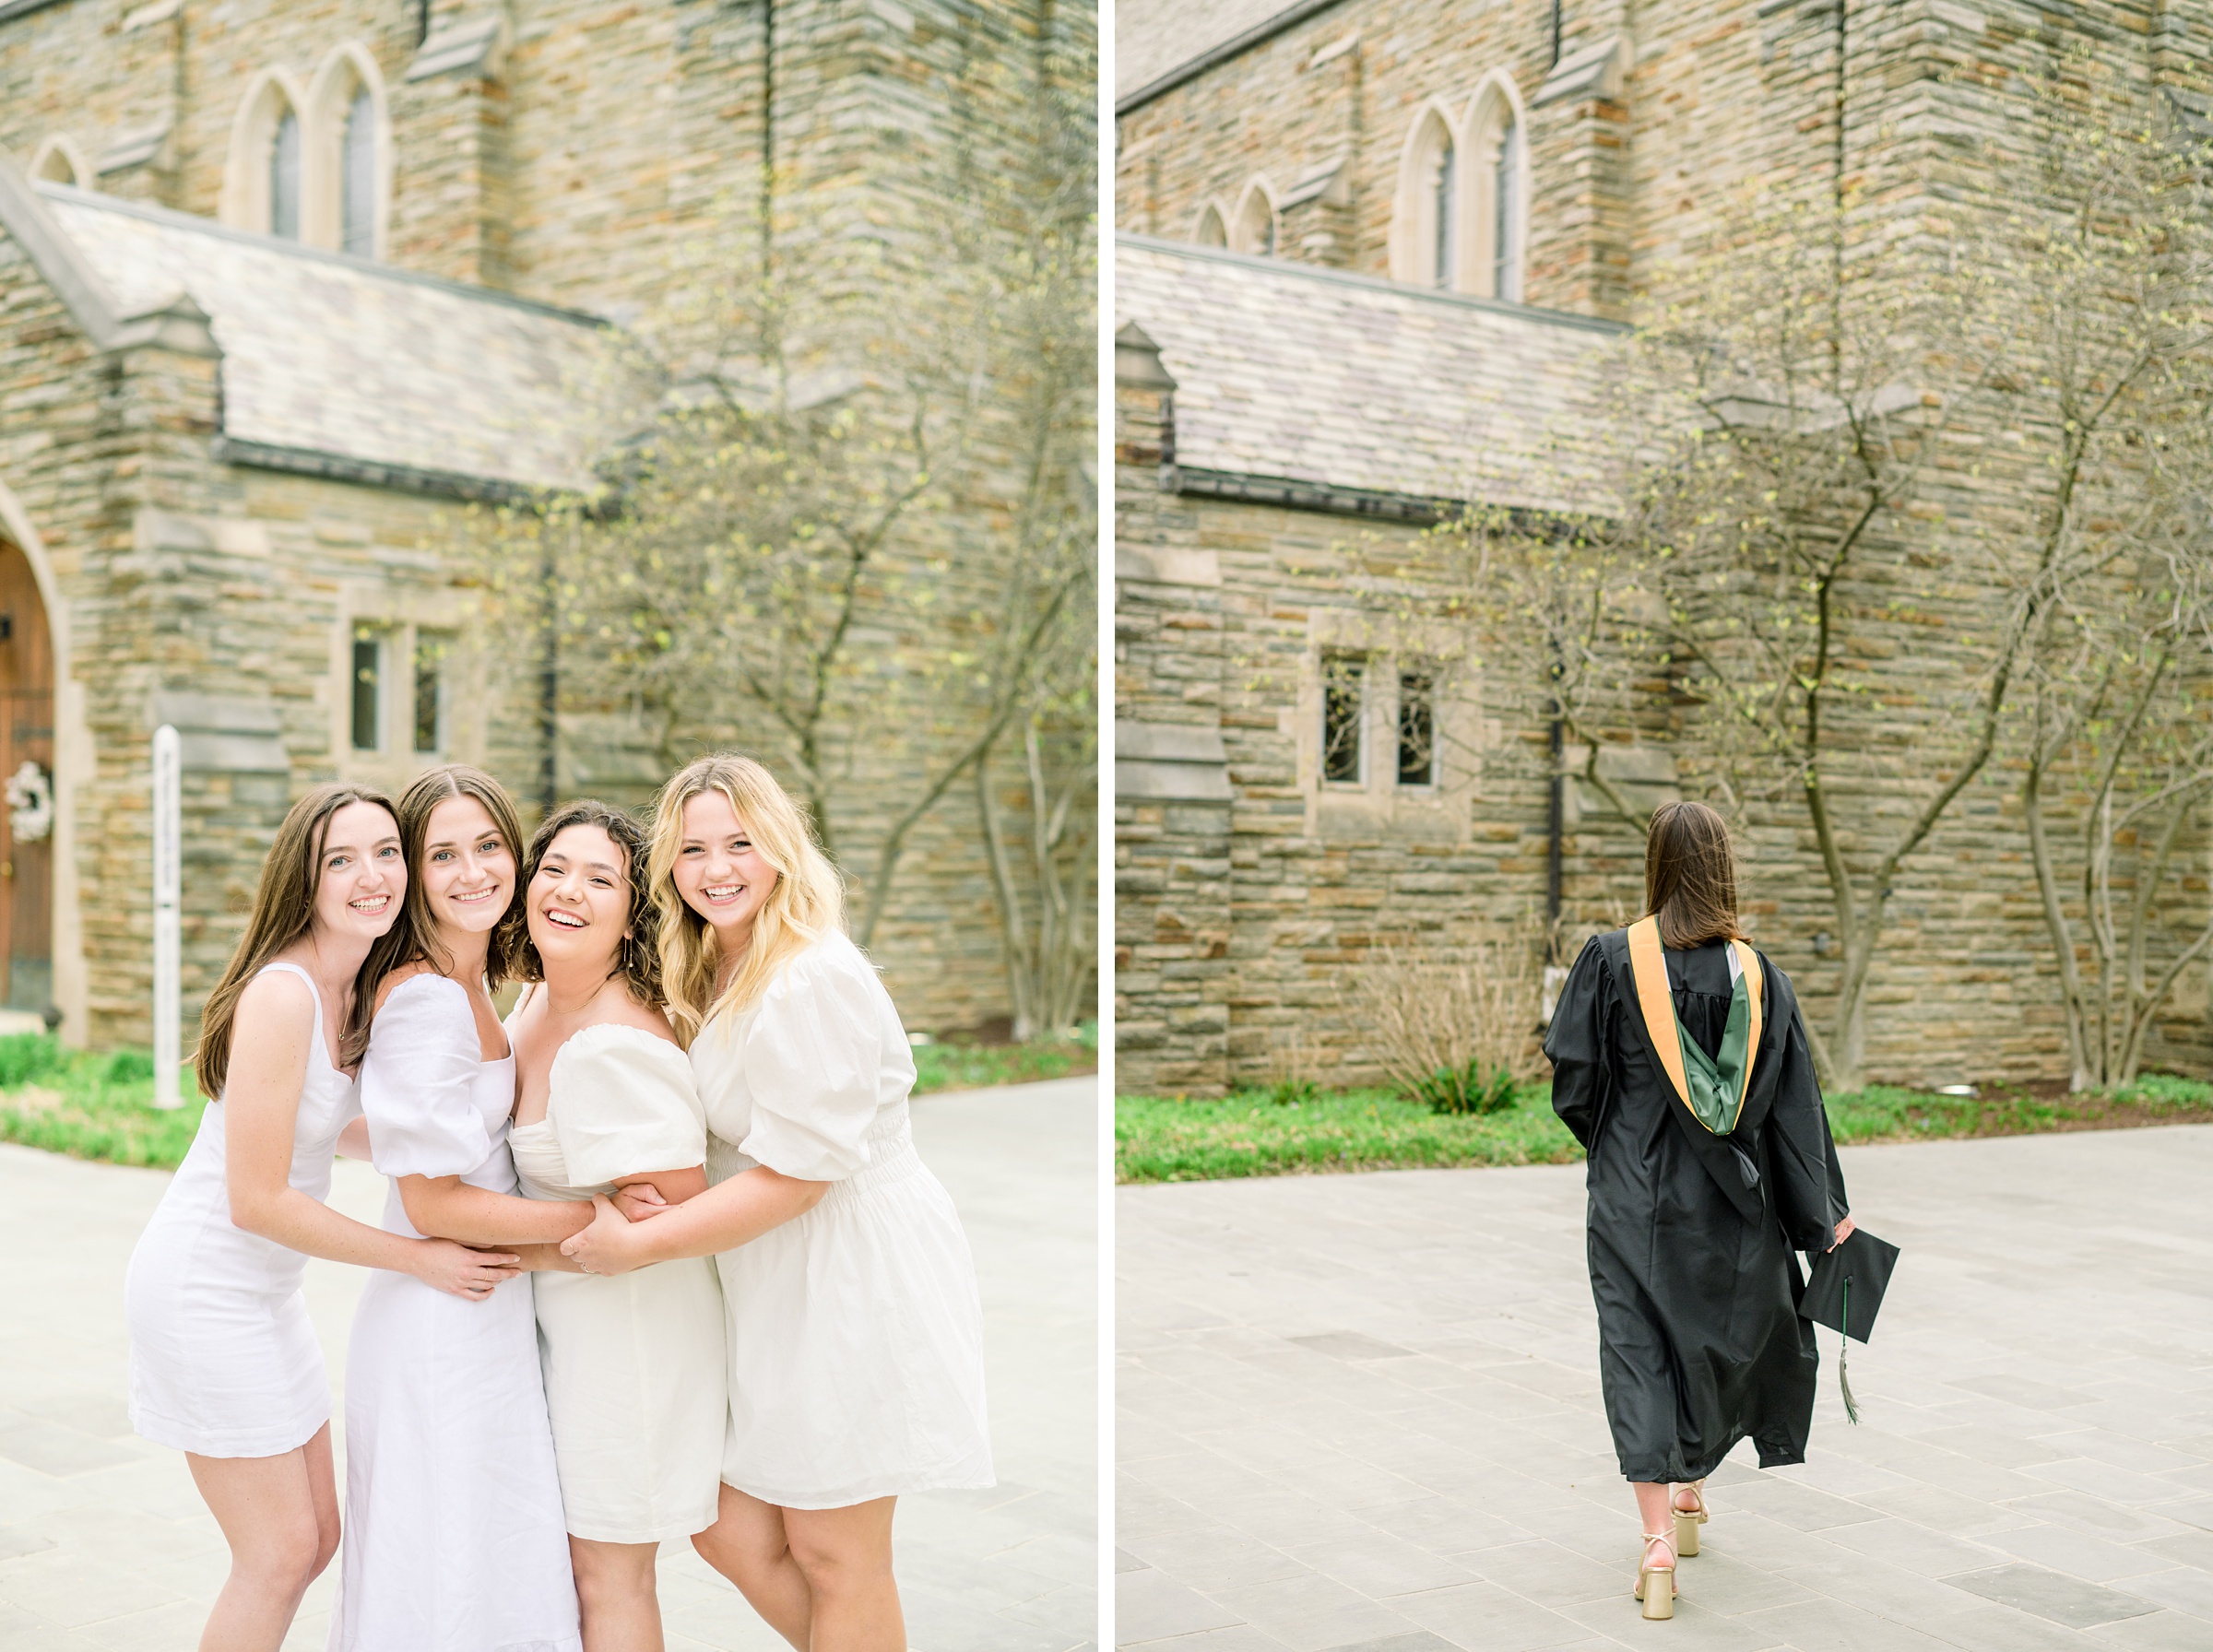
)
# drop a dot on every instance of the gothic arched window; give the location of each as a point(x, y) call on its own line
point(284, 177)
point(1503, 212)
point(1444, 210)
point(1255, 227)
point(357, 177)
point(1211, 230)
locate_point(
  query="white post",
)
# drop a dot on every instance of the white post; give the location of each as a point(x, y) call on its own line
point(169, 913)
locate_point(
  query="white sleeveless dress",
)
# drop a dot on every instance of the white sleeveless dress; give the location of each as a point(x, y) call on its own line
point(856, 1331)
point(454, 1538)
point(224, 1359)
point(633, 1363)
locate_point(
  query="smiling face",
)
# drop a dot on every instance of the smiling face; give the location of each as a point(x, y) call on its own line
point(467, 868)
point(362, 877)
point(578, 903)
point(718, 873)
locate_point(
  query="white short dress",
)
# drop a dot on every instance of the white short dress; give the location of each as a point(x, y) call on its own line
point(633, 1362)
point(856, 1331)
point(453, 1537)
point(224, 1359)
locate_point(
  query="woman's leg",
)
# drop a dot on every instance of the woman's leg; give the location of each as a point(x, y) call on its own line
point(747, 1544)
point(1653, 1510)
point(280, 1517)
point(615, 1593)
point(846, 1556)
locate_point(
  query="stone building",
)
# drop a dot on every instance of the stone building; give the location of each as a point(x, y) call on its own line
point(284, 289)
point(1373, 261)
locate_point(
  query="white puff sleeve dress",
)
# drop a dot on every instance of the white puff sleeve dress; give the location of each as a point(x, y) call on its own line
point(633, 1363)
point(856, 1331)
point(453, 1537)
point(224, 1359)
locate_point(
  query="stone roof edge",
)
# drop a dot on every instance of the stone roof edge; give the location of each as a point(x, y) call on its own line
point(375, 473)
point(12, 9)
point(291, 249)
point(173, 322)
point(1344, 277)
point(1333, 499)
point(1238, 45)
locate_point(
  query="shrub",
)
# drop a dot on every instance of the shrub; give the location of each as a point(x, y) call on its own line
point(1456, 1030)
point(27, 1056)
point(128, 1067)
point(1469, 1089)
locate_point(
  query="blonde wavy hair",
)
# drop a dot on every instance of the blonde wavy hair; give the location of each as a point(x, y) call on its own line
point(807, 902)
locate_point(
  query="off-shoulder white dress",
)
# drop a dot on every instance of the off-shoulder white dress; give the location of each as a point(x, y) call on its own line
point(633, 1363)
point(856, 1331)
point(453, 1537)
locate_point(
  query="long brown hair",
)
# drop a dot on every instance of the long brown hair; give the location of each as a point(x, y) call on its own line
point(284, 910)
point(807, 902)
point(414, 939)
point(638, 959)
point(1690, 876)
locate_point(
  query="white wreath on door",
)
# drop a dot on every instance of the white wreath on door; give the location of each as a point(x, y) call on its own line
point(31, 803)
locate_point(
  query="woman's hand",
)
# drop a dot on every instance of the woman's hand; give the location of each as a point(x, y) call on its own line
point(611, 1245)
point(460, 1271)
point(639, 1200)
point(1844, 1230)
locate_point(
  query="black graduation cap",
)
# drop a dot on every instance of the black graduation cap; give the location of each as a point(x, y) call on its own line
point(1844, 1291)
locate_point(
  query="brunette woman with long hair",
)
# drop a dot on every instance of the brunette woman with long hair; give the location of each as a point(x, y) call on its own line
point(454, 1530)
point(224, 1361)
point(606, 1104)
point(855, 1326)
point(1681, 1064)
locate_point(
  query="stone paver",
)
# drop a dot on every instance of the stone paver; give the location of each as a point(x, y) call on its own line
point(1362, 1412)
point(104, 1546)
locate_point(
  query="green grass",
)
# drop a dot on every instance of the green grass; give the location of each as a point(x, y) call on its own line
point(103, 1106)
point(1249, 1134)
point(983, 1066)
point(91, 1106)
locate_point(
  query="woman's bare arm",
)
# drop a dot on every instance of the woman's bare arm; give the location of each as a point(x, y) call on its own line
point(450, 1208)
point(270, 1043)
point(730, 1214)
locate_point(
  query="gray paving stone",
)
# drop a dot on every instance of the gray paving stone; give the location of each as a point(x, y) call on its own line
point(2069, 1479)
point(105, 1546)
point(2051, 1595)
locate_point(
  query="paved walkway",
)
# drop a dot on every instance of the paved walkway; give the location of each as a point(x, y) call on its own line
point(1363, 1412)
point(105, 1545)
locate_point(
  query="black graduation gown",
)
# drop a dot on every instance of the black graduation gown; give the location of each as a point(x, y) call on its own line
point(1691, 1233)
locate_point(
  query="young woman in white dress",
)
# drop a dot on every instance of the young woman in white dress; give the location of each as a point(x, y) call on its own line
point(633, 1365)
point(454, 1533)
point(856, 1330)
point(224, 1361)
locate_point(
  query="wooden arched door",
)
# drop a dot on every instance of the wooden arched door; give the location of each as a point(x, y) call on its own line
point(28, 814)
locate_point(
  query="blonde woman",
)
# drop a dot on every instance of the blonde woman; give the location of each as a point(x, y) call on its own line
point(856, 1331)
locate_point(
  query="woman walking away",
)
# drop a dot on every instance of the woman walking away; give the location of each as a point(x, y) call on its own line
point(1680, 1063)
point(633, 1365)
point(224, 1363)
point(856, 1331)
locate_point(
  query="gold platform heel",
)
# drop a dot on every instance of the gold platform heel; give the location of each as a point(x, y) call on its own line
point(1688, 1521)
point(1656, 1584)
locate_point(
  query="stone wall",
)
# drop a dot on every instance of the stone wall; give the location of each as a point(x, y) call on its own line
point(606, 158)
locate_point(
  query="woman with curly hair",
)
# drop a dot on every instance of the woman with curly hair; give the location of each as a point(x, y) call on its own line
point(633, 1365)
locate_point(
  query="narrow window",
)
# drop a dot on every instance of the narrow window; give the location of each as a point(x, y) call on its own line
point(1211, 231)
point(1443, 213)
point(429, 691)
point(1268, 236)
point(358, 182)
point(1417, 728)
point(368, 686)
point(1341, 679)
point(1506, 251)
point(284, 178)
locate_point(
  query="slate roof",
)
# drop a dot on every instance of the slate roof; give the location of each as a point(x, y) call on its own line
point(327, 354)
point(1150, 37)
point(1288, 370)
